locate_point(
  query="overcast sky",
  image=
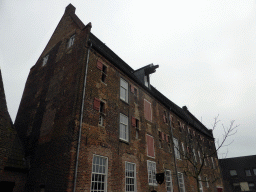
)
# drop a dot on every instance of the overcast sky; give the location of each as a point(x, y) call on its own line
point(206, 51)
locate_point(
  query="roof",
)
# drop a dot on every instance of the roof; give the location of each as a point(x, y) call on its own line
point(184, 114)
point(10, 145)
point(240, 164)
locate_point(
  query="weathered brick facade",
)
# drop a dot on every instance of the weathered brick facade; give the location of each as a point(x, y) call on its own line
point(124, 119)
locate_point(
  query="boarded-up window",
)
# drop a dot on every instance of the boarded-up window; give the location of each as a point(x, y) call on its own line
point(150, 146)
point(162, 135)
point(147, 110)
point(99, 65)
point(133, 122)
point(96, 104)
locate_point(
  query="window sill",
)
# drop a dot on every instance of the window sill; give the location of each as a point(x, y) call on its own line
point(151, 157)
point(124, 101)
point(151, 184)
point(124, 141)
point(104, 83)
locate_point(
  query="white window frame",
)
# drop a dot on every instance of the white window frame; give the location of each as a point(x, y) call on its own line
point(123, 128)
point(168, 178)
point(199, 156)
point(124, 87)
point(146, 82)
point(71, 41)
point(248, 172)
point(194, 153)
point(213, 164)
point(98, 169)
point(45, 60)
point(101, 120)
point(176, 148)
point(207, 182)
point(254, 171)
point(130, 177)
point(151, 165)
point(232, 172)
point(200, 184)
point(181, 182)
point(183, 149)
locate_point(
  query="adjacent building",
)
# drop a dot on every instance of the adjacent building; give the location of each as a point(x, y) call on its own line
point(12, 164)
point(89, 122)
point(239, 173)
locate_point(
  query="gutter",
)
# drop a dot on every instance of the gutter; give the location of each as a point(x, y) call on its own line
point(81, 118)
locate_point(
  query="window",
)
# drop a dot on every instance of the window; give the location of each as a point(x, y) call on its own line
point(151, 172)
point(236, 186)
point(181, 182)
point(102, 107)
point(207, 182)
point(248, 172)
point(103, 69)
point(160, 143)
point(101, 120)
point(176, 148)
point(147, 110)
point(134, 90)
point(200, 184)
point(99, 174)
point(183, 149)
point(172, 121)
point(135, 122)
point(130, 177)
point(123, 128)
point(254, 171)
point(194, 153)
point(71, 41)
point(199, 156)
point(251, 186)
point(213, 164)
point(150, 146)
point(179, 125)
point(45, 59)
point(165, 117)
point(146, 80)
point(123, 90)
point(233, 172)
point(168, 178)
point(99, 105)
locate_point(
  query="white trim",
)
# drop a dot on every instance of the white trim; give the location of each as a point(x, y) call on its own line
point(200, 184)
point(182, 189)
point(126, 124)
point(153, 177)
point(176, 148)
point(125, 85)
point(171, 185)
point(106, 173)
point(135, 179)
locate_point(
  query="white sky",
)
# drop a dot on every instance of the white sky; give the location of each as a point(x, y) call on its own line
point(205, 50)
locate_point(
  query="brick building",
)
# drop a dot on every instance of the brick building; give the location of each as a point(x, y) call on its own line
point(12, 167)
point(239, 173)
point(89, 122)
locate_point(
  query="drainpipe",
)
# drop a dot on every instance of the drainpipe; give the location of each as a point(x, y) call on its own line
point(175, 162)
point(81, 118)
